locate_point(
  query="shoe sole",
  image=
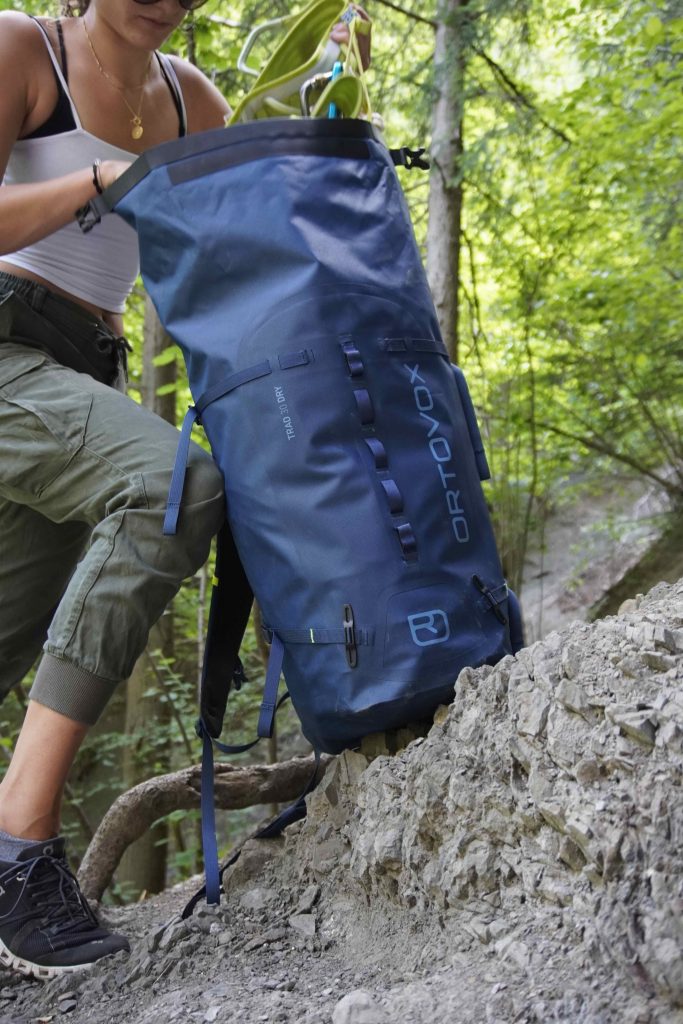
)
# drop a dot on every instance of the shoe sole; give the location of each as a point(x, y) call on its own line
point(38, 971)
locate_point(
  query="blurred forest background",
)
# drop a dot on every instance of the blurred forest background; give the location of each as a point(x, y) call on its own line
point(550, 225)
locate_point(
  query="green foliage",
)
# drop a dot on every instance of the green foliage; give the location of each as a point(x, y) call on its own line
point(572, 250)
point(570, 290)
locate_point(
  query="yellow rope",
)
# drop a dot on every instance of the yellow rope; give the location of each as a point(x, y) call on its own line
point(353, 53)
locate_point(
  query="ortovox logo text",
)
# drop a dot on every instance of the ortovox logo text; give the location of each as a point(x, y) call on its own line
point(427, 628)
point(441, 453)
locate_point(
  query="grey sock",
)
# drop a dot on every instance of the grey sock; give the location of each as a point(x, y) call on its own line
point(11, 846)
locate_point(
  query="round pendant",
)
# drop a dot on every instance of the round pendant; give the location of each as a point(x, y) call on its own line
point(137, 131)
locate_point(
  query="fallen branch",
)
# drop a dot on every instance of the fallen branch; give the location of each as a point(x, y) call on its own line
point(131, 815)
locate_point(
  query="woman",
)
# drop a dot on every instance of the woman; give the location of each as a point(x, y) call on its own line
point(84, 471)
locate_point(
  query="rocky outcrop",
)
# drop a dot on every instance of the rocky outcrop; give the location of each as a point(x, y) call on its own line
point(521, 862)
point(554, 783)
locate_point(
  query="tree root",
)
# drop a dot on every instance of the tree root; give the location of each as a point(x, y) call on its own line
point(135, 811)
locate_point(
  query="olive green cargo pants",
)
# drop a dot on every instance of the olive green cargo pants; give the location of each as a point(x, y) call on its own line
point(85, 570)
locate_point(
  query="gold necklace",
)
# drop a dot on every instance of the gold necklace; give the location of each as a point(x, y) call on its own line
point(137, 130)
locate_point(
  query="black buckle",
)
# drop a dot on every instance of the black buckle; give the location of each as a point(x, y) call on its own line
point(87, 218)
point(410, 158)
point(490, 597)
point(238, 676)
point(350, 637)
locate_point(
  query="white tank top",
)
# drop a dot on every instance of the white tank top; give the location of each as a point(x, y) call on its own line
point(100, 267)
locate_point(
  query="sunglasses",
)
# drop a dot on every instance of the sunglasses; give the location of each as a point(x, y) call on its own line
point(187, 5)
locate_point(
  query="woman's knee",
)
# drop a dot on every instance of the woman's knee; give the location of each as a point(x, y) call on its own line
point(201, 513)
point(202, 508)
point(203, 493)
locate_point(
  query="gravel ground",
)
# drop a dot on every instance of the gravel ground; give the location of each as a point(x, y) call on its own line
point(521, 864)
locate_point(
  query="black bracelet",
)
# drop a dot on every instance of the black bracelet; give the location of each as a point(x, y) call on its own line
point(97, 164)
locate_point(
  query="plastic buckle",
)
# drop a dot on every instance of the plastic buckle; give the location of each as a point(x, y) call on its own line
point(87, 218)
point(238, 675)
point(410, 158)
point(350, 637)
point(489, 595)
point(413, 158)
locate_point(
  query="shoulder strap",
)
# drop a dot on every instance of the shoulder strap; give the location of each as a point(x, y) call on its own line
point(231, 601)
point(62, 50)
point(61, 75)
point(171, 78)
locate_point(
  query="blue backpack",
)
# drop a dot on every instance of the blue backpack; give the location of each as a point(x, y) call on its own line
point(281, 258)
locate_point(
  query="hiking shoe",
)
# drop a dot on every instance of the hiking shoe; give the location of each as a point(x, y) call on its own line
point(46, 925)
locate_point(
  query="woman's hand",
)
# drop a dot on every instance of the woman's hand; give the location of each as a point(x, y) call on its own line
point(110, 170)
point(340, 34)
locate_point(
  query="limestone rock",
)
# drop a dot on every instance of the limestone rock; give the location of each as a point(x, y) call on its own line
point(358, 1007)
point(555, 778)
point(303, 923)
point(249, 866)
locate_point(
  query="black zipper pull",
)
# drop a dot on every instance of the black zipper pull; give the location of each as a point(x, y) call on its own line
point(488, 594)
point(350, 637)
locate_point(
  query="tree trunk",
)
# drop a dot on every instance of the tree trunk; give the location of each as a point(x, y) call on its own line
point(143, 867)
point(445, 187)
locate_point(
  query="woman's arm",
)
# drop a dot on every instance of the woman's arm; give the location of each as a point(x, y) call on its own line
point(30, 212)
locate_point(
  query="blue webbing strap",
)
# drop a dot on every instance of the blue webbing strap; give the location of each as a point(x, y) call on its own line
point(208, 803)
point(273, 672)
point(175, 491)
point(379, 452)
point(354, 360)
point(214, 876)
point(235, 380)
point(335, 635)
point(224, 387)
point(209, 841)
point(407, 541)
point(394, 496)
point(403, 345)
point(365, 407)
point(294, 812)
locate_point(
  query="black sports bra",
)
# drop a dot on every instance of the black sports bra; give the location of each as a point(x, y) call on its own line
point(62, 119)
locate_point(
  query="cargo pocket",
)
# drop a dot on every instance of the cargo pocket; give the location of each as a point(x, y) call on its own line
point(16, 360)
point(43, 418)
